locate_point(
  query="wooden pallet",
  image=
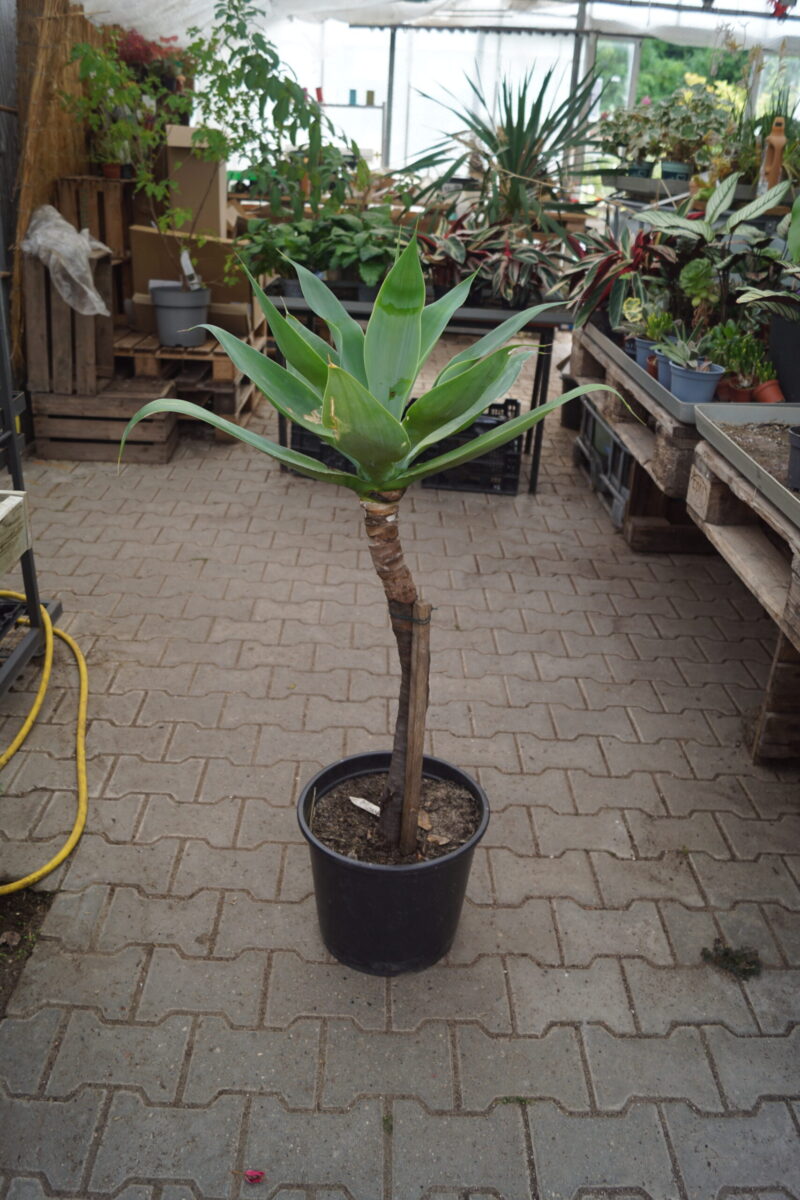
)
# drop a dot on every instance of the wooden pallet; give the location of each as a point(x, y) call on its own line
point(661, 446)
point(762, 546)
point(65, 351)
point(103, 206)
point(152, 360)
point(89, 428)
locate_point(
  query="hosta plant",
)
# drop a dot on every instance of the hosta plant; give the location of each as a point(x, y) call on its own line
point(355, 393)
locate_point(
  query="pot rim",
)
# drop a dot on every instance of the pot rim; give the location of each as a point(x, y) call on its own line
point(428, 760)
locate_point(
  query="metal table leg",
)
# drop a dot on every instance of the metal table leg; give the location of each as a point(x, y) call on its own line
point(541, 383)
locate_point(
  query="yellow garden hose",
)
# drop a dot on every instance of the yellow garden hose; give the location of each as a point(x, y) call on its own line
point(80, 742)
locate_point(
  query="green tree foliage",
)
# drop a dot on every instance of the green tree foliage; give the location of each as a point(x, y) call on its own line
point(663, 67)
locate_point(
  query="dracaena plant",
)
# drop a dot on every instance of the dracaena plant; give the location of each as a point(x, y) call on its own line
point(356, 395)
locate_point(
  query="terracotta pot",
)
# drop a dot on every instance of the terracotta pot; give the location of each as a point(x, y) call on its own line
point(724, 390)
point(768, 392)
point(652, 366)
point(741, 395)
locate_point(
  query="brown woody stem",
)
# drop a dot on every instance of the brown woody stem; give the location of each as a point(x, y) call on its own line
point(380, 520)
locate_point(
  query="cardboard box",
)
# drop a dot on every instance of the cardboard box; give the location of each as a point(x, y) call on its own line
point(155, 256)
point(200, 185)
point(236, 317)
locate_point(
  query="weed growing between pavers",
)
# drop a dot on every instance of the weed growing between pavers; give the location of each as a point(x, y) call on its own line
point(741, 961)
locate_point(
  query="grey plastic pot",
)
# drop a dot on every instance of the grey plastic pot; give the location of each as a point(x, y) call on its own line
point(664, 366)
point(674, 170)
point(177, 311)
point(695, 387)
point(644, 348)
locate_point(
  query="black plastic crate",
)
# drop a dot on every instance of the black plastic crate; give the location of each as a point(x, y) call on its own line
point(605, 460)
point(306, 442)
point(497, 471)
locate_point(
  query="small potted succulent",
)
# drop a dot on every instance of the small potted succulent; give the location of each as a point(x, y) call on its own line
point(693, 376)
point(389, 889)
point(767, 389)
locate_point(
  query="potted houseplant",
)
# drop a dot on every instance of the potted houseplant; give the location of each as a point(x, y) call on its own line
point(767, 389)
point(693, 377)
point(400, 912)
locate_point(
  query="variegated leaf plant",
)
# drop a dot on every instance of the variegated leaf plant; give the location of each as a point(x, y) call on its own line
point(355, 394)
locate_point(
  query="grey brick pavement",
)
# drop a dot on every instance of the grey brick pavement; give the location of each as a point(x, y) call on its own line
point(180, 1020)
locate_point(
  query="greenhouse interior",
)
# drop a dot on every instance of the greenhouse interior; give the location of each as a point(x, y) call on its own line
point(400, 635)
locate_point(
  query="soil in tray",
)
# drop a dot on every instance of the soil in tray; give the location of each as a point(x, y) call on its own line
point(449, 816)
point(767, 444)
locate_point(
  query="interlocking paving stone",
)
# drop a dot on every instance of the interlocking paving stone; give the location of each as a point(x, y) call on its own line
point(653, 835)
point(164, 817)
point(31, 1189)
point(764, 880)
point(238, 1060)
point(690, 930)
point(104, 981)
point(750, 1068)
point(97, 861)
point(751, 838)
point(717, 1153)
point(253, 871)
point(592, 794)
point(474, 993)
point(786, 929)
point(744, 925)
point(50, 1136)
point(775, 997)
point(325, 1149)
point(546, 995)
point(587, 933)
point(265, 822)
point(437, 1152)
point(650, 1067)
point(604, 830)
point(147, 1057)
point(298, 988)
point(686, 995)
point(25, 1045)
point(517, 877)
point(268, 925)
point(571, 1153)
point(548, 1067)
point(176, 984)
point(527, 929)
point(152, 1143)
point(510, 827)
point(668, 878)
point(386, 1064)
point(132, 918)
point(549, 788)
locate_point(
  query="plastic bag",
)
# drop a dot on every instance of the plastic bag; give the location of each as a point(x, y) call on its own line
point(65, 253)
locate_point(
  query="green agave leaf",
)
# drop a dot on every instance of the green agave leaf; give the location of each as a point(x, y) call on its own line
point(329, 354)
point(436, 316)
point(347, 333)
point(497, 338)
point(290, 458)
point(722, 197)
point(292, 345)
point(363, 429)
point(756, 208)
point(667, 222)
point(450, 406)
point(494, 438)
point(288, 392)
point(393, 338)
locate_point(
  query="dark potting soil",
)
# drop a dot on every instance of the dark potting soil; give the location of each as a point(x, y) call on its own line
point(21, 915)
point(449, 816)
point(768, 444)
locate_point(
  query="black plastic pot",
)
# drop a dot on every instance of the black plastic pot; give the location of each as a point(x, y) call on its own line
point(783, 336)
point(386, 920)
point(794, 458)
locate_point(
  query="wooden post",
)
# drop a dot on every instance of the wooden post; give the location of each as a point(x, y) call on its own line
point(417, 709)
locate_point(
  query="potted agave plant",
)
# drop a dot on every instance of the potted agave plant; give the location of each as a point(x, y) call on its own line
point(393, 903)
point(693, 376)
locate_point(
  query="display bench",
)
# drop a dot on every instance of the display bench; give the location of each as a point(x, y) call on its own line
point(658, 432)
point(753, 521)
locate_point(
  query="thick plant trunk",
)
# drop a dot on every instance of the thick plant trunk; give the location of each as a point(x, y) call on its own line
point(380, 520)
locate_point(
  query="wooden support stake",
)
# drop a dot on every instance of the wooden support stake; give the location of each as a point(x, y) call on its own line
point(417, 709)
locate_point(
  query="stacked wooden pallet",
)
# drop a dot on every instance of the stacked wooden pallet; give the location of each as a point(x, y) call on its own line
point(105, 208)
point(89, 427)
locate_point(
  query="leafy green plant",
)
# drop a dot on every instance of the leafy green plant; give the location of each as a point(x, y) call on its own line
point(355, 394)
point(519, 156)
point(608, 269)
point(691, 350)
point(782, 302)
point(658, 325)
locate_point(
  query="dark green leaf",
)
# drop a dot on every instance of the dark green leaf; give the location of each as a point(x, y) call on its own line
point(393, 338)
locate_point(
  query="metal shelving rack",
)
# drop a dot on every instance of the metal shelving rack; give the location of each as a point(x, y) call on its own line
point(12, 406)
